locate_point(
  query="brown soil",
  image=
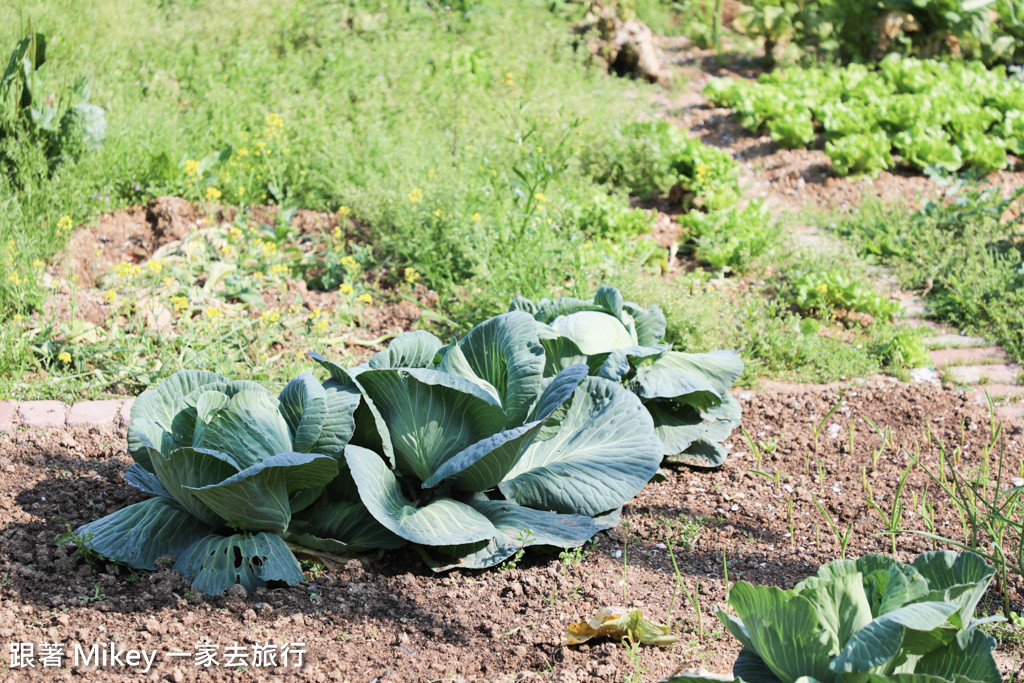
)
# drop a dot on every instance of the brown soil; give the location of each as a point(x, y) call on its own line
point(391, 619)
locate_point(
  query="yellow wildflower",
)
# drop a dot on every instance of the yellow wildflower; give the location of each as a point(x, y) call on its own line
point(350, 263)
point(213, 313)
point(274, 121)
point(15, 278)
point(64, 357)
point(416, 195)
point(126, 270)
point(110, 296)
point(316, 314)
point(822, 288)
point(235, 234)
point(241, 190)
point(169, 282)
point(180, 303)
point(344, 211)
point(345, 289)
point(438, 213)
point(225, 250)
point(269, 248)
point(212, 193)
point(294, 308)
point(64, 224)
point(476, 218)
point(539, 196)
point(336, 233)
point(155, 266)
point(243, 152)
point(37, 264)
point(270, 317)
point(320, 326)
point(411, 275)
point(365, 298)
point(278, 269)
point(17, 317)
point(191, 167)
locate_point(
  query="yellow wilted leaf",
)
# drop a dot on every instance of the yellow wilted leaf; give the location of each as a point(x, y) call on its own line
point(617, 622)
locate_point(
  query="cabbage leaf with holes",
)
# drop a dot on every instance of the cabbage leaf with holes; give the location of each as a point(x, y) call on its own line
point(871, 620)
point(471, 452)
point(228, 465)
point(686, 394)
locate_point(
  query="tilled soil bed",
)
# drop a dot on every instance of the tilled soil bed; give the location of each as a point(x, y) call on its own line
point(391, 619)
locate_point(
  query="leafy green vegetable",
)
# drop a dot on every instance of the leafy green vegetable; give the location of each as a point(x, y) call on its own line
point(229, 465)
point(472, 452)
point(861, 153)
point(685, 394)
point(873, 619)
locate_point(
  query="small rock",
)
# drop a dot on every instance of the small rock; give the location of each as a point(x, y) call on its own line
point(1017, 481)
point(153, 626)
point(249, 616)
point(177, 676)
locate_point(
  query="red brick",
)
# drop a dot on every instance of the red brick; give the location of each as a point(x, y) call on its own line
point(43, 413)
point(974, 374)
point(969, 356)
point(125, 414)
point(8, 414)
point(93, 412)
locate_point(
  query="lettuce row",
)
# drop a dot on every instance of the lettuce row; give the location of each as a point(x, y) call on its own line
point(945, 115)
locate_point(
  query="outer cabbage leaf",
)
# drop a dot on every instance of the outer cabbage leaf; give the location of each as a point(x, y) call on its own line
point(215, 563)
point(140, 534)
point(602, 455)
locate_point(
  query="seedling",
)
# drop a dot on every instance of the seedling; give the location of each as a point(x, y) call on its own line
point(842, 539)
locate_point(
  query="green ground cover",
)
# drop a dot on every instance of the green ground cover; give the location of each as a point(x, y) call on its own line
point(455, 149)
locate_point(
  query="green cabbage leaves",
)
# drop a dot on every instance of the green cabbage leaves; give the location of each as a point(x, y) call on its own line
point(685, 394)
point(873, 620)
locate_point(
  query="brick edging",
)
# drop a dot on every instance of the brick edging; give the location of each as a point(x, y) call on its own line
point(113, 411)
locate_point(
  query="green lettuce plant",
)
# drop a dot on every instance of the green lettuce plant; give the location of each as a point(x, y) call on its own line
point(685, 394)
point(871, 620)
point(471, 452)
point(228, 465)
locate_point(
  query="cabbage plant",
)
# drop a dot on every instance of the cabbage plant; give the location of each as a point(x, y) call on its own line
point(871, 620)
point(471, 452)
point(228, 465)
point(686, 394)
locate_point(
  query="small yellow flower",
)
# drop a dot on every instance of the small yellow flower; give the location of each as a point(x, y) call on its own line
point(64, 357)
point(110, 296)
point(294, 308)
point(241, 190)
point(278, 269)
point(431, 174)
point(213, 313)
point(64, 224)
point(212, 194)
point(127, 271)
point(336, 233)
point(17, 317)
point(345, 289)
point(274, 121)
point(38, 265)
point(416, 195)
point(155, 266)
point(365, 298)
point(320, 326)
point(243, 152)
point(822, 288)
point(225, 250)
point(269, 248)
point(316, 314)
point(180, 303)
point(411, 275)
point(235, 234)
point(191, 167)
point(15, 278)
point(438, 213)
point(270, 317)
point(344, 212)
point(476, 218)
point(350, 263)
point(169, 282)
point(539, 196)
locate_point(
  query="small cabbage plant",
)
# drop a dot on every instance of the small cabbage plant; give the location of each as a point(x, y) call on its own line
point(471, 452)
point(873, 620)
point(686, 394)
point(228, 465)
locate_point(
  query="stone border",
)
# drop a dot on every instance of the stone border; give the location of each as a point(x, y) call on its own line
point(42, 414)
